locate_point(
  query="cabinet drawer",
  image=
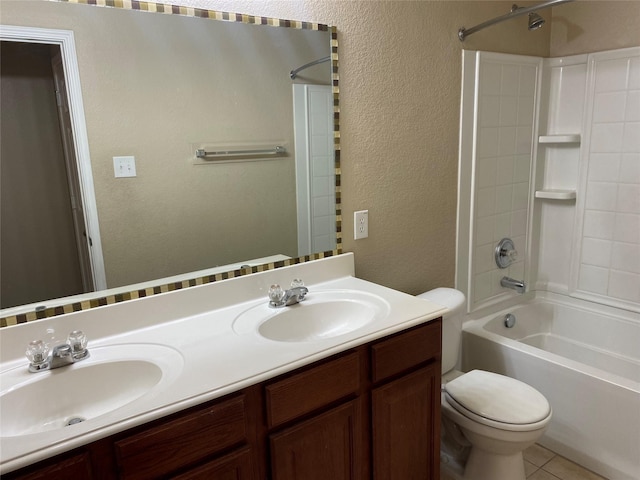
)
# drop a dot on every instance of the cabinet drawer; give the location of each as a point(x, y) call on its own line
point(238, 465)
point(177, 443)
point(77, 466)
point(312, 389)
point(406, 350)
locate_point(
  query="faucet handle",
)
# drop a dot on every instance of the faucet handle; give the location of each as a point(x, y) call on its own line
point(298, 284)
point(276, 294)
point(37, 353)
point(77, 340)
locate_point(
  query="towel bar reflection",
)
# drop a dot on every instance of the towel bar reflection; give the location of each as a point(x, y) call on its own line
point(278, 149)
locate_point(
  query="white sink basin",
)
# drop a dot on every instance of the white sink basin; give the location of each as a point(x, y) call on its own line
point(111, 378)
point(319, 316)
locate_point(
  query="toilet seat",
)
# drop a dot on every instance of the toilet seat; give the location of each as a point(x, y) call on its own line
point(498, 401)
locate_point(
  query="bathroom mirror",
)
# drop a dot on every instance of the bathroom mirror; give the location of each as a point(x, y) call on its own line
point(161, 83)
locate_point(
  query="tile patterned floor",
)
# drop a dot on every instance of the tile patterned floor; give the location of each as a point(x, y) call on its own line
point(542, 464)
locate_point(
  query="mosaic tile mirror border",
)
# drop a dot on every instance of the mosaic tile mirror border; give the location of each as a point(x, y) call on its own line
point(228, 17)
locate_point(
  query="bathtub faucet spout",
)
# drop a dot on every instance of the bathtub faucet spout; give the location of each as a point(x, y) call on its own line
point(517, 285)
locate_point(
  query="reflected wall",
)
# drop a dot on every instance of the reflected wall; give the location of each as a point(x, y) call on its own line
point(156, 87)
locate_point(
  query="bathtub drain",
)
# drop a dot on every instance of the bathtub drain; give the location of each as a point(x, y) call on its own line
point(509, 320)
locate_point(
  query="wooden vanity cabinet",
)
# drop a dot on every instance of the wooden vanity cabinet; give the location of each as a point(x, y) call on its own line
point(405, 402)
point(76, 464)
point(185, 440)
point(405, 428)
point(381, 415)
point(370, 412)
point(238, 465)
point(325, 446)
point(215, 440)
point(316, 418)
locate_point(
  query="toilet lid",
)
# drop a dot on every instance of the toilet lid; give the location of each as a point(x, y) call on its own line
point(498, 398)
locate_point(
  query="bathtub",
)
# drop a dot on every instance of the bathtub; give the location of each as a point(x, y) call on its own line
point(585, 358)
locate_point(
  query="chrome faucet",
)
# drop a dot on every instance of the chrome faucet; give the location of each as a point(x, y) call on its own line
point(279, 298)
point(517, 285)
point(62, 354)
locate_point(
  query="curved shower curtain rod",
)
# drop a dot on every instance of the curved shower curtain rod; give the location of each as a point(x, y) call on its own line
point(293, 73)
point(464, 32)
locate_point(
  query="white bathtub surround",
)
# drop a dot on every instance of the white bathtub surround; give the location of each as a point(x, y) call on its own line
point(612, 181)
point(565, 186)
point(197, 325)
point(591, 249)
point(499, 105)
point(584, 359)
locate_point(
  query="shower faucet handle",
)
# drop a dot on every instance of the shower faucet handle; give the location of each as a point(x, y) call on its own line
point(505, 253)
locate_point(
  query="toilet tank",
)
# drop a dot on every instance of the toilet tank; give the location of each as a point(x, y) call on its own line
point(451, 322)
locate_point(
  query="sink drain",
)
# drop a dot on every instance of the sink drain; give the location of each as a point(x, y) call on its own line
point(74, 420)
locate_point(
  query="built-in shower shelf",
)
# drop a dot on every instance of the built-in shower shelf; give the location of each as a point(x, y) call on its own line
point(554, 194)
point(549, 139)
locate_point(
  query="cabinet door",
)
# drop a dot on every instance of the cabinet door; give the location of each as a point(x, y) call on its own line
point(312, 388)
point(406, 427)
point(327, 446)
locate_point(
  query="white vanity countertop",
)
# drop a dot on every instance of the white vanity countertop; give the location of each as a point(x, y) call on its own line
point(198, 324)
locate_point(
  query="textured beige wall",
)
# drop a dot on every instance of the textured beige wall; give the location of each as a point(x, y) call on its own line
point(399, 96)
point(585, 26)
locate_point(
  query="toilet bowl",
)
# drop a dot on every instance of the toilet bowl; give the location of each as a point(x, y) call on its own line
point(487, 419)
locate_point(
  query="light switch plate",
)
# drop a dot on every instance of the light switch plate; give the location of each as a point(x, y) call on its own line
point(124, 166)
point(360, 224)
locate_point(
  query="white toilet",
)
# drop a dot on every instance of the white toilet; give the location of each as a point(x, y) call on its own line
point(487, 419)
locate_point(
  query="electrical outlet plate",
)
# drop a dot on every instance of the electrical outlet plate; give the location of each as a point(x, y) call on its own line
point(360, 224)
